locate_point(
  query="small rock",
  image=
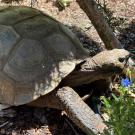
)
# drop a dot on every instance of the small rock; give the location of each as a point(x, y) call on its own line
point(14, 133)
point(2, 131)
point(105, 116)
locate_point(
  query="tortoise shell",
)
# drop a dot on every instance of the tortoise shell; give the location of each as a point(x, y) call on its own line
point(36, 53)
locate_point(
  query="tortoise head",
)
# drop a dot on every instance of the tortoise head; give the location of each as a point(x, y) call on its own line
point(108, 61)
point(113, 60)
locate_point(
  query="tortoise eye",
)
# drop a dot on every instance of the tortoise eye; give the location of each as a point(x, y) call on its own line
point(121, 60)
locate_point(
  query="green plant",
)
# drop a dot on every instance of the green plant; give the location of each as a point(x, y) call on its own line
point(121, 110)
point(64, 3)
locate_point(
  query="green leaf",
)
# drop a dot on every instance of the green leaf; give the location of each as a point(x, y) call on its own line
point(64, 3)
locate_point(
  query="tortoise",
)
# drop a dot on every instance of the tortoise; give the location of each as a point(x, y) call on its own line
point(41, 61)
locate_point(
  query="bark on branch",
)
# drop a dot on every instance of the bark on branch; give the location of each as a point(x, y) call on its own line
point(100, 24)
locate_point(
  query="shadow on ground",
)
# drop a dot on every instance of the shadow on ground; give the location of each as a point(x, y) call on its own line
point(36, 121)
point(127, 37)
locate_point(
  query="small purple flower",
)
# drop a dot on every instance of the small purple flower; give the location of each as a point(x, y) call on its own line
point(125, 82)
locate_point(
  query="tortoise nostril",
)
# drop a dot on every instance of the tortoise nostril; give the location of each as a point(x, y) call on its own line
point(121, 60)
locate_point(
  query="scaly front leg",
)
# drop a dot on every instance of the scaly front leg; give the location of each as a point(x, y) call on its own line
point(77, 110)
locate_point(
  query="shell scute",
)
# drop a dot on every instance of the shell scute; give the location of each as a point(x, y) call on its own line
point(13, 15)
point(26, 62)
point(37, 27)
point(61, 47)
point(8, 39)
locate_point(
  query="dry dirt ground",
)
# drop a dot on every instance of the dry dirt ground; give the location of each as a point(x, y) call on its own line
point(34, 121)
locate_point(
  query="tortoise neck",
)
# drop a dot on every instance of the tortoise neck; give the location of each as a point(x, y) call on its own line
point(77, 78)
point(84, 73)
point(88, 72)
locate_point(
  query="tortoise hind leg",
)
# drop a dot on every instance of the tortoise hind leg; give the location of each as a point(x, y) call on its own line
point(79, 112)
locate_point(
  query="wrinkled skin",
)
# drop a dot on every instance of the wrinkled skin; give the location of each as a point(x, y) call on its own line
point(101, 66)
